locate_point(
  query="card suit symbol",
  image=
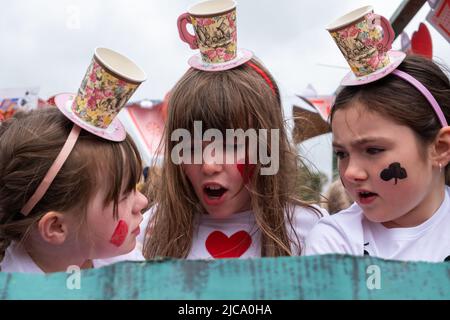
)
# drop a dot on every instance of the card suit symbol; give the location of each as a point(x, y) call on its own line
point(421, 42)
point(221, 246)
point(366, 253)
point(395, 171)
point(120, 234)
point(246, 171)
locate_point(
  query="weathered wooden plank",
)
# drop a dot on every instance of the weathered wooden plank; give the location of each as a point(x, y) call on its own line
point(404, 14)
point(316, 277)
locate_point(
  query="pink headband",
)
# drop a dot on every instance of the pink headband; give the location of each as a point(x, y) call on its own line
point(425, 92)
point(53, 171)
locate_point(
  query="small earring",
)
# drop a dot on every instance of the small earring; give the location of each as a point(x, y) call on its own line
point(440, 167)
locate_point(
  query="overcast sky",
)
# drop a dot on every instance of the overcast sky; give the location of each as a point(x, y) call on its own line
point(49, 43)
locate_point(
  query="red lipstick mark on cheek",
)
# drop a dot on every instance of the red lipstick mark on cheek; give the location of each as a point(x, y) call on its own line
point(120, 234)
point(246, 171)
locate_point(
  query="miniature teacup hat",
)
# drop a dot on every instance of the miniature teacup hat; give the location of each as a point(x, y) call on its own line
point(365, 39)
point(214, 23)
point(108, 84)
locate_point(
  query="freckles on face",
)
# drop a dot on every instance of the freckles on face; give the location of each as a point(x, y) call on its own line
point(120, 233)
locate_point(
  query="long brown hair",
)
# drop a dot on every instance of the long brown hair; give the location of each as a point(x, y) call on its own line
point(239, 98)
point(395, 98)
point(28, 146)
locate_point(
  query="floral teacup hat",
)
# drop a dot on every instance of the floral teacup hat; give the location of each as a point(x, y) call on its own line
point(214, 23)
point(365, 39)
point(108, 84)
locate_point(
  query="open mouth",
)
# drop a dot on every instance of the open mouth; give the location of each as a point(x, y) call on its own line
point(366, 194)
point(214, 191)
point(366, 197)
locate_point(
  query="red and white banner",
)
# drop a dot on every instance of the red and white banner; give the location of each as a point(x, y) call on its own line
point(149, 123)
point(439, 18)
point(323, 105)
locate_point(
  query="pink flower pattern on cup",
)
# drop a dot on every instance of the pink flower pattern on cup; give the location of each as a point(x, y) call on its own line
point(101, 96)
point(360, 44)
point(216, 37)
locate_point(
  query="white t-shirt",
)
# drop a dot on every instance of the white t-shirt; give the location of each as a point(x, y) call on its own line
point(349, 232)
point(239, 236)
point(16, 259)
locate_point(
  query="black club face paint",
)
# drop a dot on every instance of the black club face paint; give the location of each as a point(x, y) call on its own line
point(395, 171)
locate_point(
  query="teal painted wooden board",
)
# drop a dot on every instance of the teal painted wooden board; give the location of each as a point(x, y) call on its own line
point(314, 277)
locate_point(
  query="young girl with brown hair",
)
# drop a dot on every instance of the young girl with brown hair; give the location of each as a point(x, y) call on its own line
point(92, 194)
point(392, 140)
point(69, 175)
point(227, 209)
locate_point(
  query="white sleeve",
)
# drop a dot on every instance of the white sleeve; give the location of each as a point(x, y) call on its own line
point(326, 238)
point(303, 220)
point(134, 255)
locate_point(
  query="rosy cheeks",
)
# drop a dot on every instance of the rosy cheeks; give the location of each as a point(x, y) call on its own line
point(120, 234)
point(246, 171)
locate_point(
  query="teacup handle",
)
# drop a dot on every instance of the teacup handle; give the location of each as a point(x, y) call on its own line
point(183, 20)
point(388, 32)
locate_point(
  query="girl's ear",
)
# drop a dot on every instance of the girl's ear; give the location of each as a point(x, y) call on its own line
point(53, 227)
point(441, 147)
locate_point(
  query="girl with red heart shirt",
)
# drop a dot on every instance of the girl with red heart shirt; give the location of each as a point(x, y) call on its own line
point(228, 183)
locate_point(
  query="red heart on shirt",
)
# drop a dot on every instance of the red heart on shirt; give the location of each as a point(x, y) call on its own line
point(221, 246)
